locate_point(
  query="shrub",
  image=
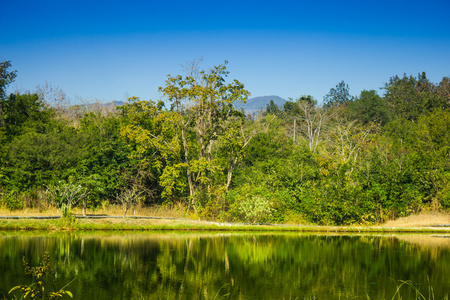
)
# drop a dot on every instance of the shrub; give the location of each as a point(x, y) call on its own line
point(255, 209)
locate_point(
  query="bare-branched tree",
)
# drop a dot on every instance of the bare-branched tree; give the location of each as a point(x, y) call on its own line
point(66, 195)
point(128, 198)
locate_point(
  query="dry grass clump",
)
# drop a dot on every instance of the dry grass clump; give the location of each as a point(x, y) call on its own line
point(137, 211)
point(29, 212)
point(106, 210)
point(421, 219)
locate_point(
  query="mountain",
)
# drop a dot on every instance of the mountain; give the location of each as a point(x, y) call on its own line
point(253, 105)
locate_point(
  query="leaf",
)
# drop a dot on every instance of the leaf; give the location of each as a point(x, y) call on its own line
point(69, 294)
point(14, 288)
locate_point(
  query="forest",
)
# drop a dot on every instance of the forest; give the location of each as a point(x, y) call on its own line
point(347, 160)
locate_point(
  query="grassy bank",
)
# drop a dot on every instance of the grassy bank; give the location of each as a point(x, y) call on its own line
point(160, 218)
point(186, 224)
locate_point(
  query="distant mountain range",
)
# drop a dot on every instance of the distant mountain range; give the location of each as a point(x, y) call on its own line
point(253, 105)
point(96, 104)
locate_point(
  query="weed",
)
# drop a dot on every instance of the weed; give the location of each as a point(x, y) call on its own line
point(39, 288)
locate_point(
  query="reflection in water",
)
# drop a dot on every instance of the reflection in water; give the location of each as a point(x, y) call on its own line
point(231, 266)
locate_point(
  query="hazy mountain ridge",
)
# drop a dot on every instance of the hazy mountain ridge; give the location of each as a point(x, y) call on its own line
point(254, 104)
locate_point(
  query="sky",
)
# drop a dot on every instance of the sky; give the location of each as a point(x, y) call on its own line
point(110, 50)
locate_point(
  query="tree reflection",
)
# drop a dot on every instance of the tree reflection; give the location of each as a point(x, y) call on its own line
point(234, 266)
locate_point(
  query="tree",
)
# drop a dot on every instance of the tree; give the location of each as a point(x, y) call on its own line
point(236, 138)
point(153, 140)
point(36, 159)
point(55, 98)
point(312, 120)
point(6, 77)
point(109, 157)
point(65, 195)
point(443, 90)
point(433, 144)
point(410, 97)
point(347, 139)
point(340, 95)
point(272, 109)
point(128, 198)
point(19, 111)
point(205, 102)
point(290, 107)
point(369, 107)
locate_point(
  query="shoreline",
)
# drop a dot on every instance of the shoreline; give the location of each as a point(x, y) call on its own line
point(153, 223)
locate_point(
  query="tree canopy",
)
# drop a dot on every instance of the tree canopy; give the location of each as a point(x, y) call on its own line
point(362, 159)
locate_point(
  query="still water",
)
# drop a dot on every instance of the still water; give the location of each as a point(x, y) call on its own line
point(232, 265)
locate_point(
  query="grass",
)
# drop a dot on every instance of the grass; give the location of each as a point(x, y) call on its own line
point(422, 219)
point(174, 219)
point(186, 224)
point(110, 210)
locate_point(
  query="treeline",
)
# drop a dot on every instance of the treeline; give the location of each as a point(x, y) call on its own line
point(361, 159)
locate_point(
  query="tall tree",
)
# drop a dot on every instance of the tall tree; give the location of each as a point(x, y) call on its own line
point(21, 111)
point(232, 143)
point(410, 97)
point(201, 104)
point(340, 95)
point(443, 91)
point(291, 108)
point(369, 107)
point(312, 120)
point(272, 109)
point(6, 77)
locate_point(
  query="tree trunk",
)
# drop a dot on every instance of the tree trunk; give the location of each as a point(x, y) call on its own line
point(84, 207)
point(188, 171)
point(230, 172)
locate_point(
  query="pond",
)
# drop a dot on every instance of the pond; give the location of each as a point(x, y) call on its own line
point(182, 265)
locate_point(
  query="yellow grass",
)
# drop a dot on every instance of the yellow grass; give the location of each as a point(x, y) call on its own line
point(109, 210)
point(421, 219)
point(175, 216)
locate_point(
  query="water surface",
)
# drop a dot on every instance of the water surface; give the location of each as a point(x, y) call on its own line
point(231, 265)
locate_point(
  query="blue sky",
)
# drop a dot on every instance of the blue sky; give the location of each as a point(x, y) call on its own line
point(111, 50)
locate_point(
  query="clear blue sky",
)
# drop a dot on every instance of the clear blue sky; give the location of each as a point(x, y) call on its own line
point(110, 50)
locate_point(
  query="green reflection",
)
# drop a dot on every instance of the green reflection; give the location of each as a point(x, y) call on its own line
point(231, 266)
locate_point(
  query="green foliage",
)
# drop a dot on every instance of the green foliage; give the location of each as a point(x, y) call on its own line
point(369, 107)
point(337, 96)
point(173, 180)
point(362, 160)
point(6, 77)
point(213, 204)
point(202, 103)
point(106, 157)
point(12, 200)
point(410, 97)
point(292, 108)
point(255, 209)
point(273, 109)
point(21, 113)
point(34, 159)
point(43, 277)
